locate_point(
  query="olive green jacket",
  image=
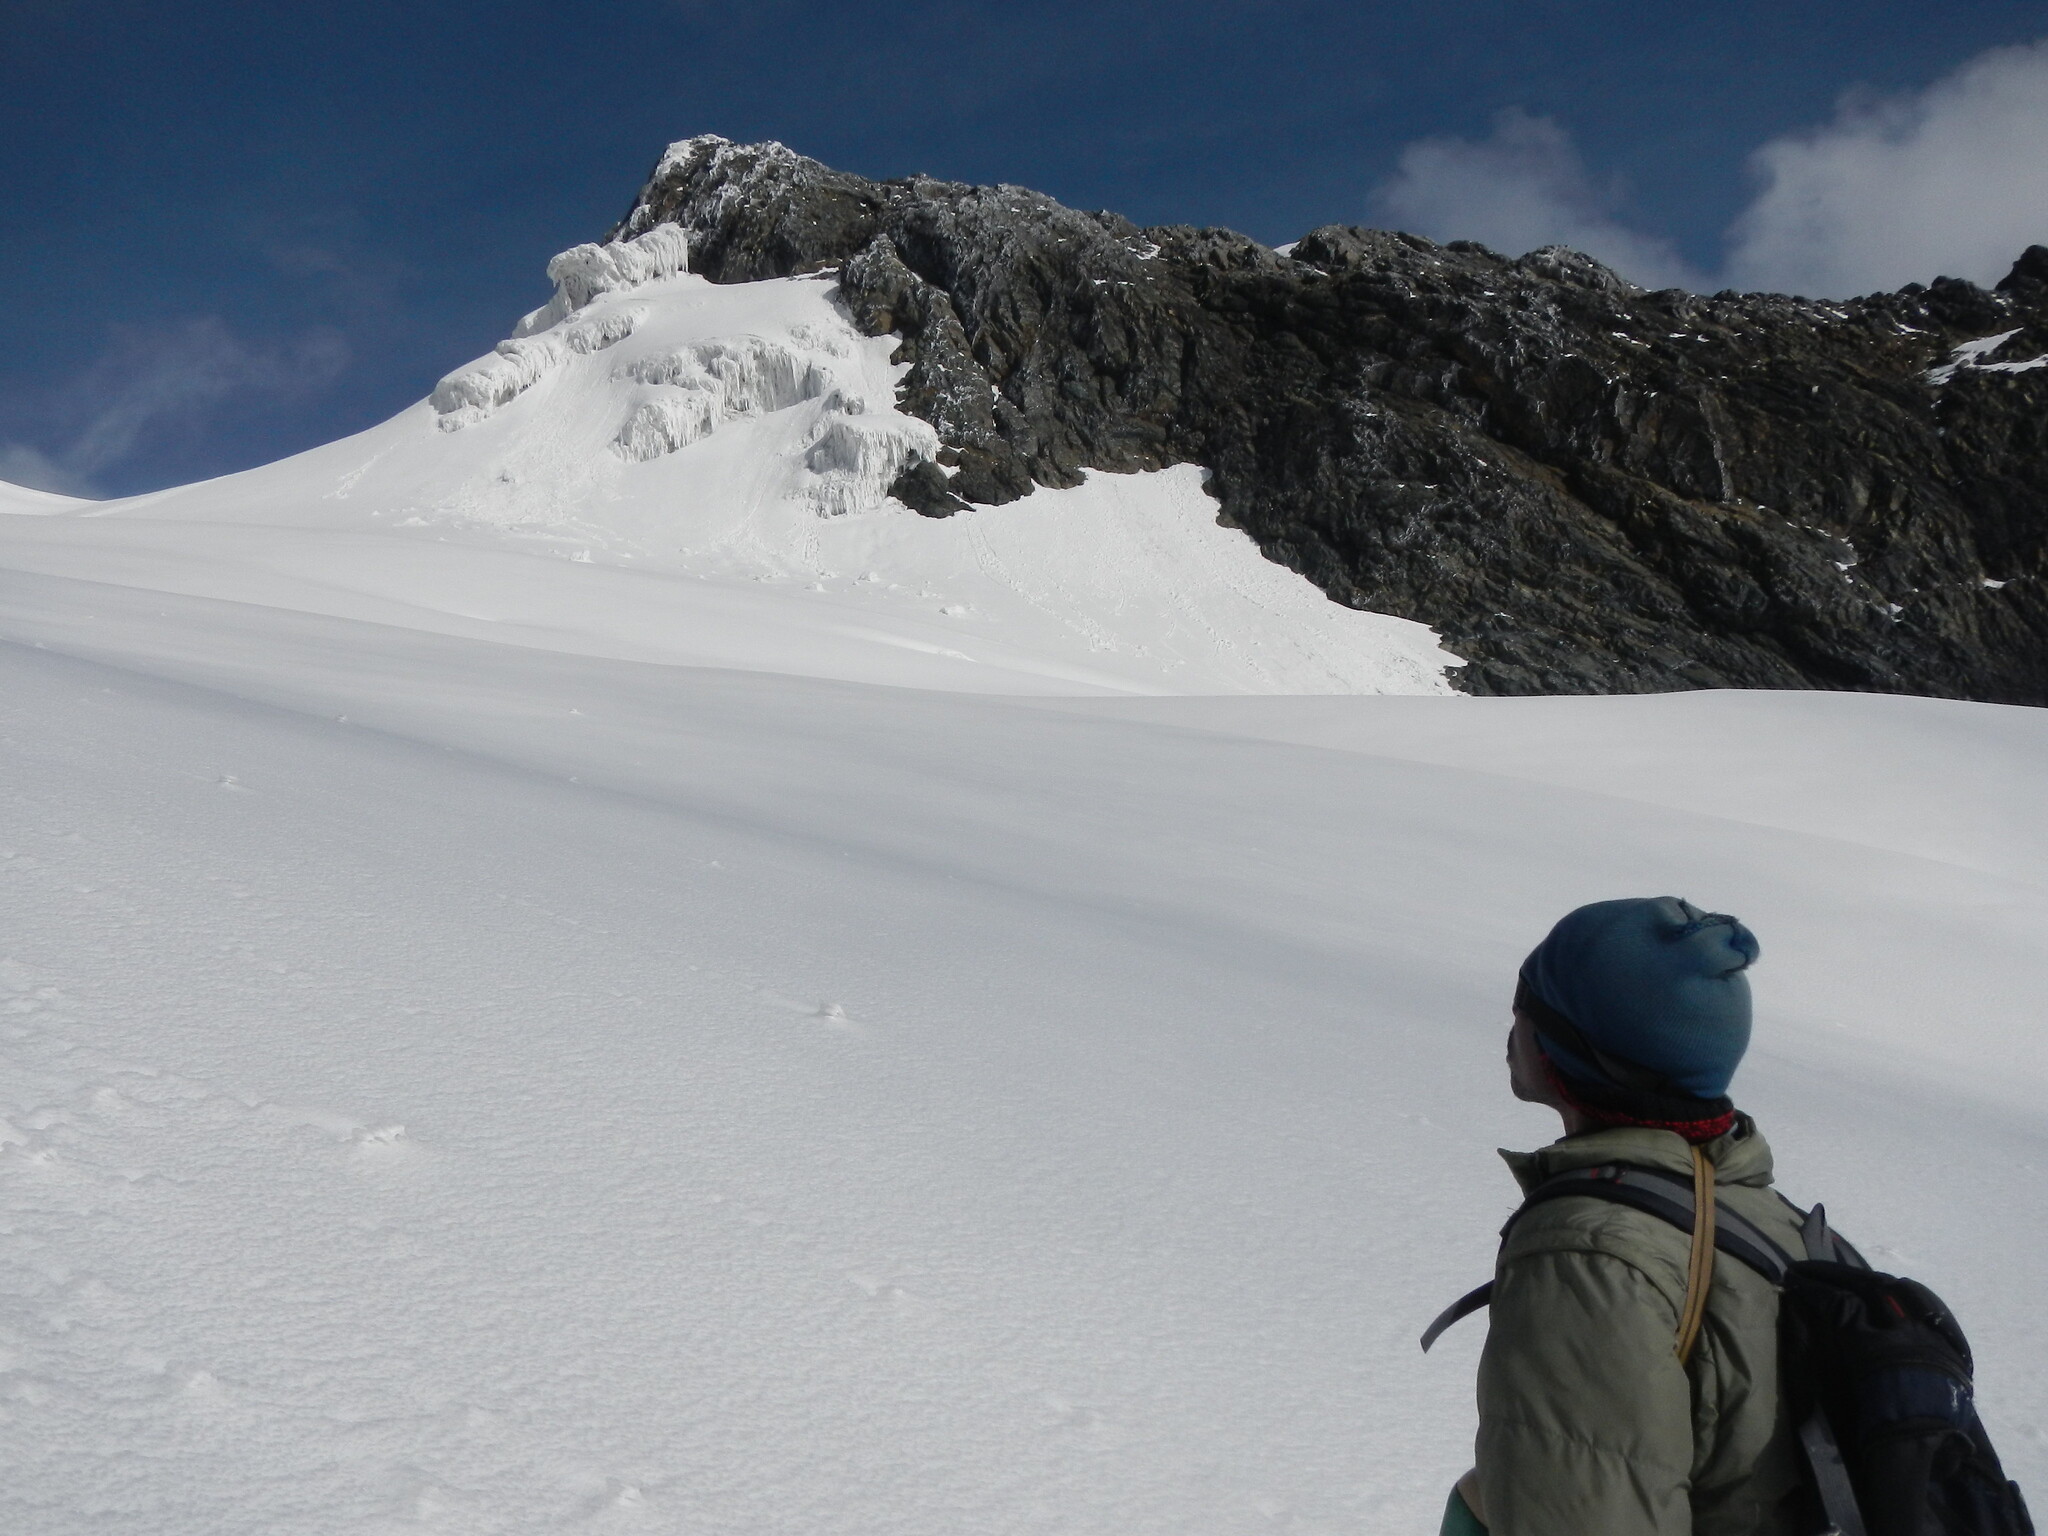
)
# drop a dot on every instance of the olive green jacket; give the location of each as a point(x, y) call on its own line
point(1588, 1425)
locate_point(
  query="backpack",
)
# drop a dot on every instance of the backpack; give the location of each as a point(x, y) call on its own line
point(1878, 1372)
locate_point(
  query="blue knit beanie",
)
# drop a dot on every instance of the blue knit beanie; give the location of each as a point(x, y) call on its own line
point(1651, 992)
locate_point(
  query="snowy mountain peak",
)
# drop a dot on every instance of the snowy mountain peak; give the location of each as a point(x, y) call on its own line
point(511, 1026)
point(709, 160)
point(714, 154)
point(660, 467)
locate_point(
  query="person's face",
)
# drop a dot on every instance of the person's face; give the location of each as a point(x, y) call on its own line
point(1525, 1064)
point(1531, 1083)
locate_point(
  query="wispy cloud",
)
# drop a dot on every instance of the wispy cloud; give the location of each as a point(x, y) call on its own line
point(21, 464)
point(159, 379)
point(1523, 187)
point(1949, 180)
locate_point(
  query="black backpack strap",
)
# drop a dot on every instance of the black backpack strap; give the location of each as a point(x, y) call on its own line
point(1823, 1241)
point(1813, 1233)
point(1463, 1307)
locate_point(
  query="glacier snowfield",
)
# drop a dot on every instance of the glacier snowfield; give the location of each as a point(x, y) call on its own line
point(565, 975)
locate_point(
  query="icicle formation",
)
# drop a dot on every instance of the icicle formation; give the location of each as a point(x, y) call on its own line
point(710, 383)
point(855, 455)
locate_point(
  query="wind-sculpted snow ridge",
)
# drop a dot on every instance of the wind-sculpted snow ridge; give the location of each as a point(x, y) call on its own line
point(542, 340)
point(584, 272)
point(704, 385)
point(21, 500)
point(858, 458)
point(672, 398)
point(470, 394)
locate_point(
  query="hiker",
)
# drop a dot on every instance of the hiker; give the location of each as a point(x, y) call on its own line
point(1604, 1408)
point(1632, 1386)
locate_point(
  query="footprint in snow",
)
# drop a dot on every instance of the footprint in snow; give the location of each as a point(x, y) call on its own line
point(832, 1015)
point(887, 1288)
point(1070, 1415)
point(617, 1496)
point(369, 1143)
point(384, 1143)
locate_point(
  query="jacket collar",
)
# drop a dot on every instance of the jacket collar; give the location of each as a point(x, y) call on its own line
point(1740, 1157)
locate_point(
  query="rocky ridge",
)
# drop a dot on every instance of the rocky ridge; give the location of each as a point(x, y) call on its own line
point(1582, 485)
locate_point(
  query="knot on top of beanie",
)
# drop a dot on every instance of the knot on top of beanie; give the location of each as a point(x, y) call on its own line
point(1650, 992)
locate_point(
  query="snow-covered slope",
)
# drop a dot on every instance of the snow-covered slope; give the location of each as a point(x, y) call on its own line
point(493, 1042)
point(25, 501)
point(462, 1087)
point(716, 460)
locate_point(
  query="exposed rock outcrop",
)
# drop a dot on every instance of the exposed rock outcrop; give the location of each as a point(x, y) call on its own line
point(1582, 485)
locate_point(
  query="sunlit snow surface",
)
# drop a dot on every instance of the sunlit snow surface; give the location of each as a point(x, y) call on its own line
point(712, 462)
point(491, 1042)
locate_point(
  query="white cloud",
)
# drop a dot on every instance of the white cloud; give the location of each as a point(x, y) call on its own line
point(1520, 189)
point(1951, 180)
point(175, 374)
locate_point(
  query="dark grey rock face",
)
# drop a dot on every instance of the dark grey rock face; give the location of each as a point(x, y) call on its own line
point(1583, 486)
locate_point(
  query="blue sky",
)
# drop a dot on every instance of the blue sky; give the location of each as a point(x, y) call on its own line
point(236, 230)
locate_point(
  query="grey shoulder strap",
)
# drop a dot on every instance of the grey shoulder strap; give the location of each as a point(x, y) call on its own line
point(1663, 1195)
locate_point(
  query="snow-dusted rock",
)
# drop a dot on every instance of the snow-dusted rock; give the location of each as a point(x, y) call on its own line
point(1581, 484)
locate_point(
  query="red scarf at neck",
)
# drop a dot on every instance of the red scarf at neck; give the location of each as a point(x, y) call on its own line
point(1697, 1132)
